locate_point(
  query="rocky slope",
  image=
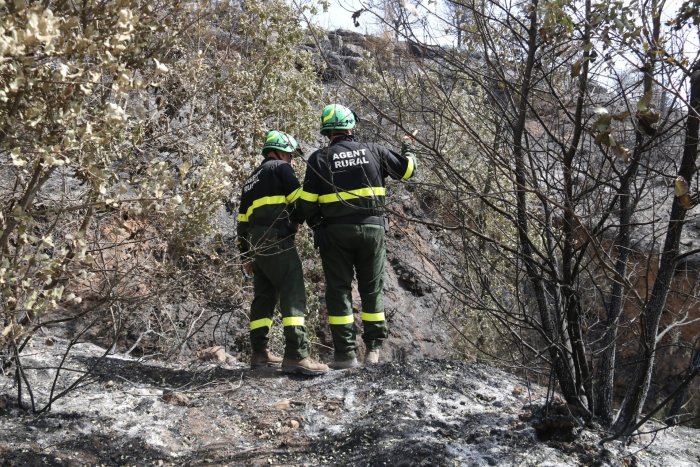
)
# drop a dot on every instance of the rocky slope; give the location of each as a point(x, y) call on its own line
point(415, 409)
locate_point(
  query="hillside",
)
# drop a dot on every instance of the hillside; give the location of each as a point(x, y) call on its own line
point(413, 412)
point(543, 233)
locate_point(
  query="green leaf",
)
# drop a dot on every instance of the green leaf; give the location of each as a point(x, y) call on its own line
point(644, 102)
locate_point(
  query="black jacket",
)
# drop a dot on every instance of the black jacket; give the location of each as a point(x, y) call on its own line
point(345, 182)
point(267, 200)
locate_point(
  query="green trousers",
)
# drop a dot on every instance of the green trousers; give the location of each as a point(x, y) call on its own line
point(350, 249)
point(279, 279)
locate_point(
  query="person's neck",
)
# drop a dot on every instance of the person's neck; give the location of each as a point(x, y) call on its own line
point(340, 136)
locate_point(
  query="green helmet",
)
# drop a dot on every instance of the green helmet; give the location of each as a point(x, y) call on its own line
point(281, 141)
point(337, 117)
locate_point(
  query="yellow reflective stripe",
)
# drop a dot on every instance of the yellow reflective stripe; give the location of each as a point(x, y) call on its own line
point(279, 199)
point(353, 194)
point(329, 116)
point(294, 195)
point(347, 319)
point(372, 316)
point(306, 196)
point(242, 218)
point(409, 169)
point(261, 323)
point(293, 321)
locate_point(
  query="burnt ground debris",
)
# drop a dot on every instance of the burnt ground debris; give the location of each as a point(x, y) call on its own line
point(412, 412)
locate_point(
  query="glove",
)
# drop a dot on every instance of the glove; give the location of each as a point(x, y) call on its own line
point(408, 147)
point(320, 238)
point(247, 270)
point(230, 207)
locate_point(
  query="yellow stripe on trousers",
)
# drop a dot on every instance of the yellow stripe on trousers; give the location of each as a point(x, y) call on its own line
point(347, 319)
point(293, 321)
point(372, 316)
point(260, 323)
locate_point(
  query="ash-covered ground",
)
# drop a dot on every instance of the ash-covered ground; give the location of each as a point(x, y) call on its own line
point(414, 412)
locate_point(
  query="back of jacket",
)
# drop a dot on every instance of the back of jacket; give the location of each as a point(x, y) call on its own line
point(267, 200)
point(345, 182)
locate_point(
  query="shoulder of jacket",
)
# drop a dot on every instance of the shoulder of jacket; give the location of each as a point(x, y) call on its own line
point(318, 154)
point(273, 164)
point(373, 148)
point(354, 145)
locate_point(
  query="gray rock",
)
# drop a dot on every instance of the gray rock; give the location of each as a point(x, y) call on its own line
point(353, 50)
point(352, 63)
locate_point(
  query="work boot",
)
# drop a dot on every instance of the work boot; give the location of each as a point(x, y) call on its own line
point(372, 357)
point(264, 358)
point(344, 362)
point(304, 366)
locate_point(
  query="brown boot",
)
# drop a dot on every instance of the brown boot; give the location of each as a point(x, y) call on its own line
point(264, 358)
point(344, 362)
point(305, 366)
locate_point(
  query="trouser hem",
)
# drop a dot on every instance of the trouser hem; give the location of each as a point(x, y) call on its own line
point(343, 356)
point(293, 355)
point(373, 345)
point(258, 348)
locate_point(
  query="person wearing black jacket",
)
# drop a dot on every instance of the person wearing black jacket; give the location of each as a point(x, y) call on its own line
point(267, 224)
point(343, 202)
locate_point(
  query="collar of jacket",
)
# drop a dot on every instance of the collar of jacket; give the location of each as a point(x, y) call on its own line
point(271, 159)
point(340, 138)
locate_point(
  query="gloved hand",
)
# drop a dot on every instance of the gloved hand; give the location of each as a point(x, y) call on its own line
point(230, 207)
point(408, 147)
point(247, 269)
point(408, 150)
point(320, 238)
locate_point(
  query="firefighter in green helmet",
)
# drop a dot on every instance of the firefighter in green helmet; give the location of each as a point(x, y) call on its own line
point(267, 224)
point(343, 202)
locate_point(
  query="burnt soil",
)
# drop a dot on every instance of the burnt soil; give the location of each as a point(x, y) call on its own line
point(412, 412)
